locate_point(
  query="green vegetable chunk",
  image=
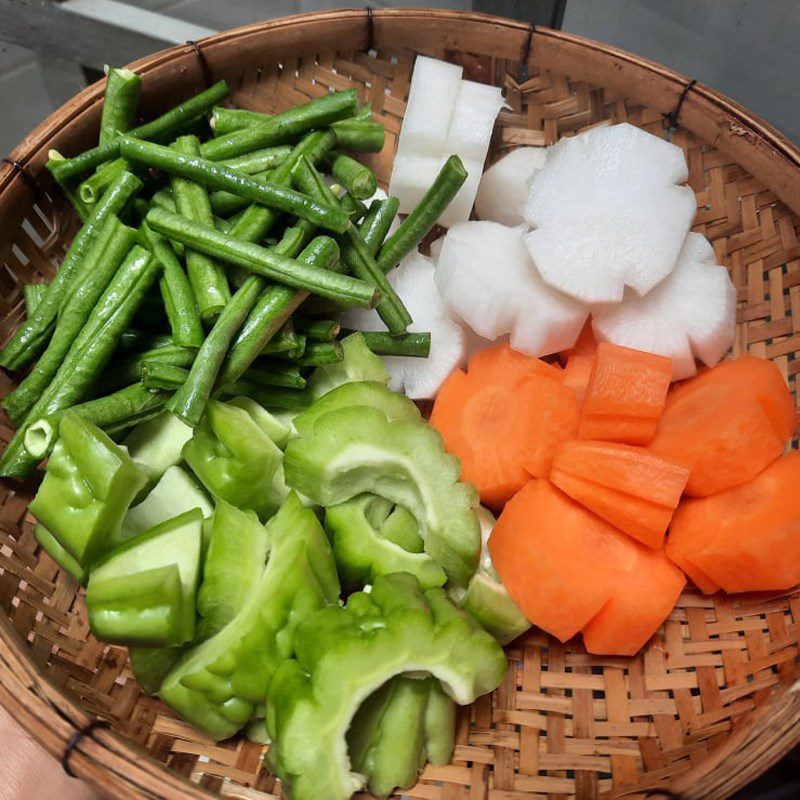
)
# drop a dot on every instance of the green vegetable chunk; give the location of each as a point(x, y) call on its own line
point(359, 393)
point(221, 684)
point(363, 553)
point(236, 459)
point(387, 736)
point(357, 449)
point(151, 665)
point(345, 654)
point(50, 545)
point(486, 599)
point(157, 444)
point(175, 493)
point(440, 726)
point(143, 593)
point(234, 564)
point(89, 483)
point(359, 364)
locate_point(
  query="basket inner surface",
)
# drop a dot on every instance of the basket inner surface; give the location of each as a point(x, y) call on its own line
point(563, 723)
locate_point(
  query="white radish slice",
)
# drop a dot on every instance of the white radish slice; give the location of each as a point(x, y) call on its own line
point(471, 125)
point(418, 378)
point(431, 100)
point(504, 186)
point(607, 213)
point(487, 279)
point(692, 313)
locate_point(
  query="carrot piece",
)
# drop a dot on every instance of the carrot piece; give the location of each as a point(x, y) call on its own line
point(625, 396)
point(504, 420)
point(746, 538)
point(678, 551)
point(627, 486)
point(645, 593)
point(727, 424)
point(557, 560)
point(585, 344)
point(501, 362)
point(577, 373)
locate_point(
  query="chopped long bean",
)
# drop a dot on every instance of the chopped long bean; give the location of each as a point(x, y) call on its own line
point(91, 190)
point(189, 402)
point(135, 340)
point(120, 102)
point(407, 344)
point(271, 396)
point(156, 375)
point(357, 178)
point(226, 203)
point(416, 225)
point(375, 226)
point(34, 292)
point(217, 176)
point(275, 373)
point(270, 313)
point(130, 370)
point(103, 259)
point(318, 353)
point(360, 135)
point(31, 337)
point(286, 339)
point(67, 186)
point(112, 413)
point(227, 120)
point(284, 127)
point(206, 276)
point(257, 220)
point(89, 353)
point(259, 160)
point(354, 209)
point(295, 352)
point(159, 129)
point(318, 330)
point(179, 300)
point(263, 261)
point(354, 254)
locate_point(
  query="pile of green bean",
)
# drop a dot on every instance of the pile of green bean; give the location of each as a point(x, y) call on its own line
point(205, 231)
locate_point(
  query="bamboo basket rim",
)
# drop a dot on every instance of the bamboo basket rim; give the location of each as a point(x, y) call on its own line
point(53, 718)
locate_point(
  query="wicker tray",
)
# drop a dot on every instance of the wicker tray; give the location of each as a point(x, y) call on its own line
point(709, 704)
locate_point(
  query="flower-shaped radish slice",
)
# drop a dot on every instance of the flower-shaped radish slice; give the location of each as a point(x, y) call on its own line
point(504, 186)
point(419, 378)
point(607, 213)
point(487, 279)
point(692, 313)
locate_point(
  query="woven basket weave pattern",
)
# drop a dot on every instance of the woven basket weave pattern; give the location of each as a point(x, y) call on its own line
point(563, 723)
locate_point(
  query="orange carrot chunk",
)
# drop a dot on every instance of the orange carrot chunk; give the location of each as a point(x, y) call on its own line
point(557, 560)
point(633, 489)
point(746, 538)
point(646, 591)
point(577, 373)
point(727, 424)
point(625, 396)
point(504, 419)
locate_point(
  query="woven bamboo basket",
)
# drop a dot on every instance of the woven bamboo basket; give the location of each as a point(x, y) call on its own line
point(710, 703)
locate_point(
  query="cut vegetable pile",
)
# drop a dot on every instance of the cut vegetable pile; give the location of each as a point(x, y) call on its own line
point(223, 376)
